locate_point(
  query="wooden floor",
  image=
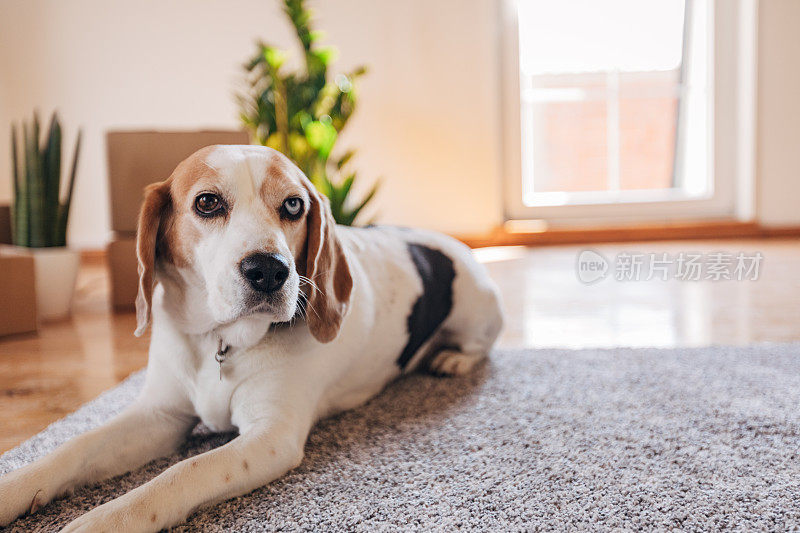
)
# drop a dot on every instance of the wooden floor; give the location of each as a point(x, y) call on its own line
point(46, 376)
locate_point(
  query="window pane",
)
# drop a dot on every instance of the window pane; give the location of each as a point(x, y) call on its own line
point(611, 102)
point(648, 114)
point(647, 142)
point(600, 35)
point(569, 146)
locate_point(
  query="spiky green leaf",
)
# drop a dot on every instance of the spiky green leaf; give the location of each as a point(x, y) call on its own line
point(321, 137)
point(346, 157)
point(51, 172)
point(353, 215)
point(33, 175)
point(63, 212)
point(275, 58)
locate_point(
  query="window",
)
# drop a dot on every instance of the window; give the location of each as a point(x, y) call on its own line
point(613, 110)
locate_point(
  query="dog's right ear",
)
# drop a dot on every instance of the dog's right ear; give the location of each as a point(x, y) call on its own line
point(154, 208)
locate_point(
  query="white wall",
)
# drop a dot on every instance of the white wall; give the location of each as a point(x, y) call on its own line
point(427, 122)
point(778, 113)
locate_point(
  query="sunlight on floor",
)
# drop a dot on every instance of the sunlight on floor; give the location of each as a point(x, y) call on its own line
point(493, 254)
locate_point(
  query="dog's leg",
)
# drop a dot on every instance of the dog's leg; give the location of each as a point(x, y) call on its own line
point(259, 455)
point(136, 436)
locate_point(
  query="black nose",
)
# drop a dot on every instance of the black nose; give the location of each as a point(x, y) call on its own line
point(265, 272)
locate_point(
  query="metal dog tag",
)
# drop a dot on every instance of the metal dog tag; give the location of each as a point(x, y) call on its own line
point(220, 356)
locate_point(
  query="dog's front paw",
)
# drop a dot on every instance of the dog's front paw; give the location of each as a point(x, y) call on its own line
point(108, 517)
point(98, 519)
point(21, 493)
point(126, 513)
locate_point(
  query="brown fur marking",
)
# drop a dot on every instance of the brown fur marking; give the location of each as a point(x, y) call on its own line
point(326, 265)
point(155, 203)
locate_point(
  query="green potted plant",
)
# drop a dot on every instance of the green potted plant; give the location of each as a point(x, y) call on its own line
point(302, 113)
point(41, 212)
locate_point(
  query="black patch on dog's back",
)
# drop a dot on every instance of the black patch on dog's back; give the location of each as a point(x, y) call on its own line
point(434, 304)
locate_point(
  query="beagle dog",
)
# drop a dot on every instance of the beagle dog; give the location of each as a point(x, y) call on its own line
point(266, 317)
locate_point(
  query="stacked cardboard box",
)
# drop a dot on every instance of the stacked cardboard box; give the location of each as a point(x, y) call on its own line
point(5, 224)
point(17, 283)
point(135, 160)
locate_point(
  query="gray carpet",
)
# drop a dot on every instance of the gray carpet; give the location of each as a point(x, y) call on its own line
point(536, 439)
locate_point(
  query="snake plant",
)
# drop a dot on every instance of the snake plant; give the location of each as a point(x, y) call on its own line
point(40, 214)
point(302, 113)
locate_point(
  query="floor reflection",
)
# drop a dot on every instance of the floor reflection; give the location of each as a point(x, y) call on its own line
point(547, 305)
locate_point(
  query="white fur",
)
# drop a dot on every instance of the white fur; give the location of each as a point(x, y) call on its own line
point(277, 381)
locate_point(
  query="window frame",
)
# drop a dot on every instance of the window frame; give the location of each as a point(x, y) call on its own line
point(732, 135)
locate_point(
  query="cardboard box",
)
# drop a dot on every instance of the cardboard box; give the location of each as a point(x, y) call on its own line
point(124, 276)
point(139, 158)
point(135, 160)
point(5, 225)
point(17, 285)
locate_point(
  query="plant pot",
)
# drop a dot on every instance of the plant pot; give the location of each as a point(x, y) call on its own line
point(56, 270)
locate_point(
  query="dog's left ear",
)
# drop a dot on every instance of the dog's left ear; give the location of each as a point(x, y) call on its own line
point(154, 207)
point(326, 266)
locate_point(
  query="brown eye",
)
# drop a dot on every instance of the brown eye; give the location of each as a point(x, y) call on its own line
point(208, 204)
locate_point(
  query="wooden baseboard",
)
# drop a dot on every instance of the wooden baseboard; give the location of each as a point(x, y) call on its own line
point(722, 229)
point(93, 257)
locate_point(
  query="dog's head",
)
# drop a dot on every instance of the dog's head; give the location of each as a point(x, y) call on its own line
point(241, 236)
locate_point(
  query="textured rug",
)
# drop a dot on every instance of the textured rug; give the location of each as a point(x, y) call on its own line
point(536, 439)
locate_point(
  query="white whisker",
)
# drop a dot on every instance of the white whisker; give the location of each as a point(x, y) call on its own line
point(308, 281)
point(312, 308)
